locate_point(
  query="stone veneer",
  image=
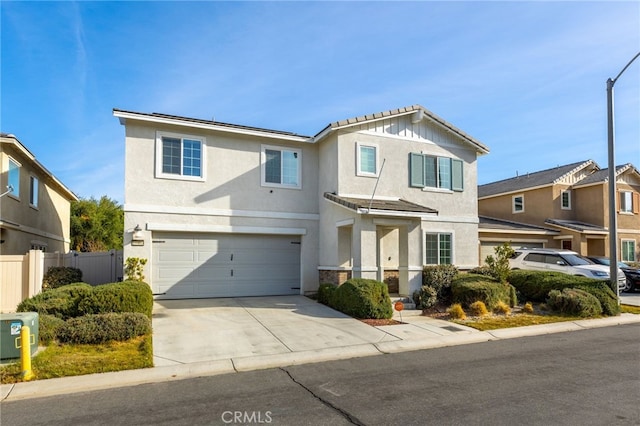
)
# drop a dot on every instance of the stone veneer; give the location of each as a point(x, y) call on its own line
point(334, 277)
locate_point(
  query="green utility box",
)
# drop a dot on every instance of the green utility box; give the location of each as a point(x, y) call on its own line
point(10, 326)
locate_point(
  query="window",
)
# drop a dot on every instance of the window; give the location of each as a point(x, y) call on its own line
point(367, 160)
point(628, 251)
point(33, 191)
point(426, 171)
point(626, 202)
point(179, 157)
point(14, 177)
point(565, 200)
point(281, 167)
point(518, 203)
point(438, 249)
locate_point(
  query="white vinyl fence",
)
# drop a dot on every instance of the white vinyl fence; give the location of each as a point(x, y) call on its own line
point(21, 275)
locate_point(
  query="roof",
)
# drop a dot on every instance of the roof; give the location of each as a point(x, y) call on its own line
point(403, 111)
point(361, 205)
point(532, 180)
point(492, 224)
point(576, 225)
point(602, 176)
point(13, 140)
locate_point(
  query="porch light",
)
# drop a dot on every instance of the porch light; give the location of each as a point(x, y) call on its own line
point(137, 234)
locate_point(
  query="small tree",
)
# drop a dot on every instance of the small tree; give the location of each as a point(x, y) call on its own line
point(499, 265)
point(134, 268)
point(96, 225)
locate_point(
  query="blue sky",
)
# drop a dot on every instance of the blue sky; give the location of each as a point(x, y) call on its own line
point(528, 79)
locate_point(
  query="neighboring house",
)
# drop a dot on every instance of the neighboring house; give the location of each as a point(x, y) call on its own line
point(564, 207)
point(223, 210)
point(35, 206)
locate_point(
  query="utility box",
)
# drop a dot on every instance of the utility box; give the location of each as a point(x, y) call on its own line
point(10, 340)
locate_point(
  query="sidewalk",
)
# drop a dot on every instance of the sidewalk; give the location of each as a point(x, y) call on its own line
point(417, 333)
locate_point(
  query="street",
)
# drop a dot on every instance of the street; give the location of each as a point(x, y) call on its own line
point(589, 377)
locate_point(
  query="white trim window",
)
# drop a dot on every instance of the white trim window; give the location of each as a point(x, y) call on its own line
point(565, 200)
point(33, 191)
point(428, 171)
point(438, 248)
point(281, 167)
point(626, 202)
point(14, 177)
point(367, 160)
point(628, 252)
point(180, 157)
point(517, 203)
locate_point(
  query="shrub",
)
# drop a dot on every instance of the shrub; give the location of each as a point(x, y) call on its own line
point(134, 268)
point(440, 278)
point(478, 309)
point(573, 301)
point(456, 312)
point(499, 265)
point(503, 308)
point(468, 288)
point(325, 291)
point(362, 298)
point(48, 328)
point(536, 285)
point(481, 270)
point(61, 302)
point(126, 296)
point(93, 329)
point(57, 276)
point(428, 297)
point(527, 308)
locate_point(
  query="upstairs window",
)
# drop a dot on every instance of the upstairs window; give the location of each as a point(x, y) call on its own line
point(179, 157)
point(281, 167)
point(565, 200)
point(14, 177)
point(33, 191)
point(517, 203)
point(629, 202)
point(427, 171)
point(367, 160)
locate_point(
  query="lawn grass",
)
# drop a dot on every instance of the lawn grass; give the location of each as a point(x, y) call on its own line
point(495, 322)
point(629, 309)
point(59, 360)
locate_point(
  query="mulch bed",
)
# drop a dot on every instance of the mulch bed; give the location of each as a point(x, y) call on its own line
point(379, 322)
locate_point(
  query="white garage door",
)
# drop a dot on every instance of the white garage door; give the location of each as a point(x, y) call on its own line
point(189, 265)
point(488, 248)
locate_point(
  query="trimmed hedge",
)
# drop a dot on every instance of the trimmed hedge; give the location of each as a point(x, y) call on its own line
point(127, 296)
point(60, 302)
point(536, 285)
point(469, 288)
point(325, 291)
point(573, 301)
point(48, 328)
point(362, 298)
point(93, 329)
point(57, 276)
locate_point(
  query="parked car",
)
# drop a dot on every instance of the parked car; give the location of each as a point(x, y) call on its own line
point(632, 274)
point(565, 261)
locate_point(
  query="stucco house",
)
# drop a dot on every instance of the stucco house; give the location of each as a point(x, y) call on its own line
point(223, 210)
point(35, 206)
point(562, 207)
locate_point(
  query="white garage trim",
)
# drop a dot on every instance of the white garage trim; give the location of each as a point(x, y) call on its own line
point(188, 227)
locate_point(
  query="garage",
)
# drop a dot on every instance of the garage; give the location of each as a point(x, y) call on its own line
point(202, 265)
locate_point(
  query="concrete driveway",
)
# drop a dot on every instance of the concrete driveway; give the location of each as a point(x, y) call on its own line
point(194, 330)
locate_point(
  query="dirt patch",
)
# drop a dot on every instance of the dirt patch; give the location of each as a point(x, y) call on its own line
point(379, 322)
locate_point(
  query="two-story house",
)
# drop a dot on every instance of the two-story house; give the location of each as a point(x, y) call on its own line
point(223, 210)
point(35, 206)
point(563, 207)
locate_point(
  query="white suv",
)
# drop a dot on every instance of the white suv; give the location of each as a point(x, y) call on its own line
point(565, 261)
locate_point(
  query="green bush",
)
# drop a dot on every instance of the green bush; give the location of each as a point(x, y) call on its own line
point(93, 329)
point(57, 276)
point(468, 288)
point(427, 297)
point(325, 291)
point(499, 265)
point(126, 296)
point(536, 285)
point(362, 298)
point(481, 270)
point(573, 301)
point(440, 278)
point(61, 302)
point(48, 328)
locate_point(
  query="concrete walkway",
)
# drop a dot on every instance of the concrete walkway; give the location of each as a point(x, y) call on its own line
point(204, 337)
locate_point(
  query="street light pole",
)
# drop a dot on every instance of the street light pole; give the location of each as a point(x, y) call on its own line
point(613, 247)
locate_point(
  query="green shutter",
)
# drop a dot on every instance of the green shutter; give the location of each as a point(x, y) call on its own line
point(416, 170)
point(457, 175)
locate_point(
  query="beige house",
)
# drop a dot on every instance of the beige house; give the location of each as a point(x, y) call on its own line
point(563, 207)
point(223, 210)
point(34, 206)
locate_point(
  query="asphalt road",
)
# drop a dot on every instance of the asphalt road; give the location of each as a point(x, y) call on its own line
point(589, 377)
